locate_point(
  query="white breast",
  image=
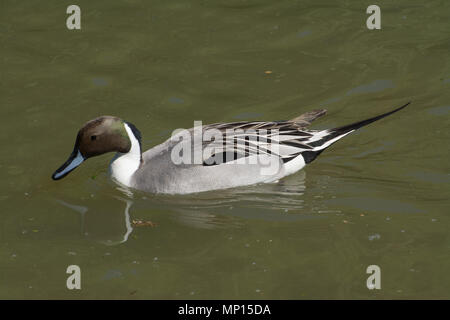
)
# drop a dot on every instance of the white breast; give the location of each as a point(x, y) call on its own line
point(124, 165)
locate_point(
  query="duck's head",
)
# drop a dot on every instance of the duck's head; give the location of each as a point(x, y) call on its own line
point(98, 136)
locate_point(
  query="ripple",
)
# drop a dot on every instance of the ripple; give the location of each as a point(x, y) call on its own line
point(375, 86)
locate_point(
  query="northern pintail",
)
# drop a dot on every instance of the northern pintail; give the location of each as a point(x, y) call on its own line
point(241, 153)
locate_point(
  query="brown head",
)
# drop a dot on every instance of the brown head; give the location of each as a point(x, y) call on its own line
point(98, 136)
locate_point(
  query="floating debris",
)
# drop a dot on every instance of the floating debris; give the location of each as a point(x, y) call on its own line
point(143, 223)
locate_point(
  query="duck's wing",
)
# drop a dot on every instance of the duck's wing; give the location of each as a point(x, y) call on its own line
point(232, 141)
point(285, 139)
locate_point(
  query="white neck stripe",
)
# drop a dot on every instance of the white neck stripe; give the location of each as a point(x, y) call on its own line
point(124, 165)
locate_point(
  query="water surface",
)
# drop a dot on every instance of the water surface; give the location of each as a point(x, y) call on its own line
point(380, 196)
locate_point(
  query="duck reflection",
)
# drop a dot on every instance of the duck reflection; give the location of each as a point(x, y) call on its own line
point(110, 227)
point(111, 218)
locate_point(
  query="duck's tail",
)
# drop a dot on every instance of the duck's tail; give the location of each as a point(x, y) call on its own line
point(325, 138)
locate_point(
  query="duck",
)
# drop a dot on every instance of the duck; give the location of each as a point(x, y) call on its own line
point(207, 157)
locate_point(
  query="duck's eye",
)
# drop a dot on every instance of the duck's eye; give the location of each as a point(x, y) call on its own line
point(93, 138)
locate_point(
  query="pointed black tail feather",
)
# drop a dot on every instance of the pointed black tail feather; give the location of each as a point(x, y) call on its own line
point(360, 124)
point(333, 135)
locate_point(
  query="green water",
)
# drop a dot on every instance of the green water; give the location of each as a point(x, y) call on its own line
point(380, 196)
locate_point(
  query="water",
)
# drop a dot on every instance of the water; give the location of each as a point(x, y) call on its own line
point(380, 196)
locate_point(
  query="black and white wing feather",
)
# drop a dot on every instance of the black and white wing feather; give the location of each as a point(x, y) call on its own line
point(285, 139)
